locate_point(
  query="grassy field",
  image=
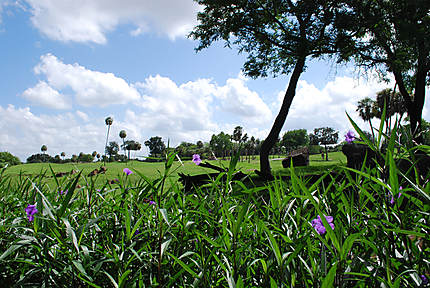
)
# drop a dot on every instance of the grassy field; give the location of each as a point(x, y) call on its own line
point(154, 170)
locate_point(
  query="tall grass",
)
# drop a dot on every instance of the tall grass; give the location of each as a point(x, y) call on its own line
point(150, 233)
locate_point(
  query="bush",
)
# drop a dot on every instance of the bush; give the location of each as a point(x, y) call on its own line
point(9, 159)
point(40, 158)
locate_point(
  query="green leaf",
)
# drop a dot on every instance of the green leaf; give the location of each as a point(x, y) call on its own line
point(164, 246)
point(71, 233)
point(68, 196)
point(273, 283)
point(122, 280)
point(11, 249)
point(273, 244)
point(329, 279)
point(183, 265)
point(165, 216)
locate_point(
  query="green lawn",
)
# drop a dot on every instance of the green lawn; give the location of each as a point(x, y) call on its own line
point(153, 170)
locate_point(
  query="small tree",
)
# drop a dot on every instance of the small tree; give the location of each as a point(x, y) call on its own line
point(366, 111)
point(43, 149)
point(63, 154)
point(131, 145)
point(122, 135)
point(156, 146)
point(324, 136)
point(112, 150)
point(294, 139)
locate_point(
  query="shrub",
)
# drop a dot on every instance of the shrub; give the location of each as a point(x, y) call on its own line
point(9, 159)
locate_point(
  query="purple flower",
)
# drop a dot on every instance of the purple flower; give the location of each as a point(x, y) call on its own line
point(349, 137)
point(64, 192)
point(319, 226)
point(127, 171)
point(31, 210)
point(424, 279)
point(152, 202)
point(398, 196)
point(196, 159)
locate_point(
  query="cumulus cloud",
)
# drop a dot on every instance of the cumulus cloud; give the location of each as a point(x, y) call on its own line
point(187, 112)
point(175, 111)
point(23, 133)
point(90, 87)
point(238, 99)
point(313, 107)
point(89, 21)
point(44, 95)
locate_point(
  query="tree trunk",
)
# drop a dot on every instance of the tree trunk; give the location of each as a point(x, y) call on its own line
point(415, 103)
point(326, 152)
point(271, 139)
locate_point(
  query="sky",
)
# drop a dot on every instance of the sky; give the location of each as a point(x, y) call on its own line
point(66, 65)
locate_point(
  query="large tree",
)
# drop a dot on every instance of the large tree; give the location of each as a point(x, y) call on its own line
point(278, 37)
point(391, 37)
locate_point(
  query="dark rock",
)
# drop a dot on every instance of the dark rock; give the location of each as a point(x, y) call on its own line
point(300, 157)
point(357, 153)
point(298, 160)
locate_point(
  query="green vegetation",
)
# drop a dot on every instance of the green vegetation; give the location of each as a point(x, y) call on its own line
point(153, 170)
point(345, 228)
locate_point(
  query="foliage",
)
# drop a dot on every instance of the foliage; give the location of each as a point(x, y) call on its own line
point(324, 136)
point(40, 158)
point(131, 145)
point(392, 37)
point(43, 148)
point(228, 234)
point(294, 139)
point(156, 146)
point(112, 149)
point(277, 38)
point(85, 158)
point(9, 159)
point(221, 144)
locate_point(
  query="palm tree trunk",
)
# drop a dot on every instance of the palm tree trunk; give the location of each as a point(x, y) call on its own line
point(107, 137)
point(271, 139)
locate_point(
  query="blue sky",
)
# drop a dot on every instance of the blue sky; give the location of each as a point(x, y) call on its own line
point(68, 64)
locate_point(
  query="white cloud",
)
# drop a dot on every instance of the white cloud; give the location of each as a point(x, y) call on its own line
point(23, 133)
point(313, 107)
point(89, 21)
point(44, 95)
point(82, 115)
point(182, 113)
point(238, 99)
point(91, 88)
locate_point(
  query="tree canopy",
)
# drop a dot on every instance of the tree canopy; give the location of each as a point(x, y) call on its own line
point(156, 146)
point(324, 136)
point(391, 37)
point(277, 37)
point(294, 139)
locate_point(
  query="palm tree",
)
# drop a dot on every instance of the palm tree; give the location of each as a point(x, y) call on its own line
point(43, 149)
point(108, 121)
point(122, 135)
point(365, 109)
point(63, 154)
